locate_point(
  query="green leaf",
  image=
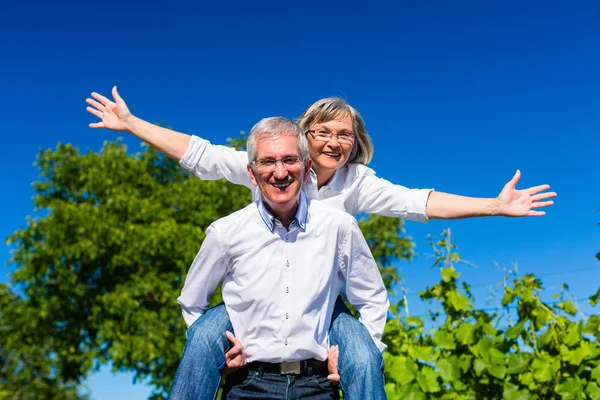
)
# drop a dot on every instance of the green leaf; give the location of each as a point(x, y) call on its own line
point(483, 348)
point(465, 362)
point(403, 369)
point(512, 392)
point(575, 356)
point(517, 363)
point(573, 335)
point(465, 333)
point(594, 298)
point(596, 373)
point(542, 369)
point(570, 388)
point(593, 391)
point(449, 369)
point(427, 379)
point(444, 340)
point(514, 331)
point(509, 296)
point(459, 302)
point(425, 353)
point(449, 274)
point(498, 371)
point(497, 357)
point(414, 321)
point(412, 392)
point(479, 365)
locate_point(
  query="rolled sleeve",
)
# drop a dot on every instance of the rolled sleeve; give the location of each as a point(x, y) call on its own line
point(378, 196)
point(210, 162)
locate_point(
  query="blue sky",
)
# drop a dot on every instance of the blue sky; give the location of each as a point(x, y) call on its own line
point(456, 95)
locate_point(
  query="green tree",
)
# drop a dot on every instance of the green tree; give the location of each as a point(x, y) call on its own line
point(99, 273)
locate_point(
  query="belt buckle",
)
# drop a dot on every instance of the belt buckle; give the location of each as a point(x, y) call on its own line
point(290, 368)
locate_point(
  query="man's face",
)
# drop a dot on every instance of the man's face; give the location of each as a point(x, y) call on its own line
point(280, 183)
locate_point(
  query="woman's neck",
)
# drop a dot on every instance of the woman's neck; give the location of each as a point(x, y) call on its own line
point(323, 176)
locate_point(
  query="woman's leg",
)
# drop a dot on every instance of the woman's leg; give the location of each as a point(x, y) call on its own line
point(360, 362)
point(199, 372)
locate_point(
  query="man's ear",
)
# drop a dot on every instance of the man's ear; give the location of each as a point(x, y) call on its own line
point(252, 175)
point(307, 167)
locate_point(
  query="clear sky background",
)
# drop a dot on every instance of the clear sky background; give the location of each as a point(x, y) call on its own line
point(456, 96)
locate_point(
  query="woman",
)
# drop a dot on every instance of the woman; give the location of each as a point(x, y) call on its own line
point(340, 149)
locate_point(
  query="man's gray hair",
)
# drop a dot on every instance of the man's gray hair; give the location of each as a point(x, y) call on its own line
point(275, 127)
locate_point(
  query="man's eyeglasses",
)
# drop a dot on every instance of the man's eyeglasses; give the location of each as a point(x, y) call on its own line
point(323, 135)
point(267, 164)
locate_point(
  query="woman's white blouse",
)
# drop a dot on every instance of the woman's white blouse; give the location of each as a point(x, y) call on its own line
point(354, 188)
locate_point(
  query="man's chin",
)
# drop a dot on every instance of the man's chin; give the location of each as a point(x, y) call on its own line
point(282, 200)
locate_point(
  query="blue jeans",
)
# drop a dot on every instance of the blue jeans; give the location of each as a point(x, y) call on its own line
point(246, 384)
point(198, 376)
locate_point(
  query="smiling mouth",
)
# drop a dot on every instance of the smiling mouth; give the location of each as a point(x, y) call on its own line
point(281, 185)
point(335, 156)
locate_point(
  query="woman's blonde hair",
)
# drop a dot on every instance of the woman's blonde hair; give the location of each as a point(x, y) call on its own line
point(333, 108)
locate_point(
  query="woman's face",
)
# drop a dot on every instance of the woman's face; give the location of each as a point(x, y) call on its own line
point(328, 156)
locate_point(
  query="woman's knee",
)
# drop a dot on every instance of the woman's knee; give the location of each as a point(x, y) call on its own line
point(210, 327)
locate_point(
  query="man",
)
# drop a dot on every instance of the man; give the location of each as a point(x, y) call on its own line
point(283, 261)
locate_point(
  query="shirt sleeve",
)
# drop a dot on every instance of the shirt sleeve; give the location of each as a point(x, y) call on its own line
point(378, 196)
point(207, 270)
point(210, 162)
point(364, 286)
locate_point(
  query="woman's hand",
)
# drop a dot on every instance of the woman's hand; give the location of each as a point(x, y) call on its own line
point(524, 202)
point(114, 115)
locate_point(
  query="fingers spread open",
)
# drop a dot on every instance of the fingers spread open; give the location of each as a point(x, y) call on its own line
point(515, 179)
point(542, 204)
point(537, 189)
point(95, 112)
point(543, 196)
point(95, 104)
point(101, 99)
point(536, 213)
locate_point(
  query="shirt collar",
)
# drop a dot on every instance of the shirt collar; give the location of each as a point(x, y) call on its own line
point(299, 219)
point(337, 181)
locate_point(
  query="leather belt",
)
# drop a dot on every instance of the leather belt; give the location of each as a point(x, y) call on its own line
point(306, 367)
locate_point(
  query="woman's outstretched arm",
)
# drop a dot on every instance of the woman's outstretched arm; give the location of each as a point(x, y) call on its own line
point(378, 196)
point(115, 115)
point(205, 160)
point(511, 202)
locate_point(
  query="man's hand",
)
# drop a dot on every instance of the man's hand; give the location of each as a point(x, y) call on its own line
point(332, 362)
point(114, 115)
point(521, 203)
point(235, 358)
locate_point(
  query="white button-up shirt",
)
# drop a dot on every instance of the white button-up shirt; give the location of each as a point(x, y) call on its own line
point(354, 188)
point(279, 286)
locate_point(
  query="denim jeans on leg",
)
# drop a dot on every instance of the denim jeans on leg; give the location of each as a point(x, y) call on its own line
point(246, 384)
point(360, 362)
point(199, 372)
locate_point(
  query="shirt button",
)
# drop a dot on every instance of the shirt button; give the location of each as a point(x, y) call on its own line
point(287, 263)
point(287, 316)
point(285, 342)
point(287, 289)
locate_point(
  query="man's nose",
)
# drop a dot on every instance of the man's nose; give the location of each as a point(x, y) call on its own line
point(280, 171)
